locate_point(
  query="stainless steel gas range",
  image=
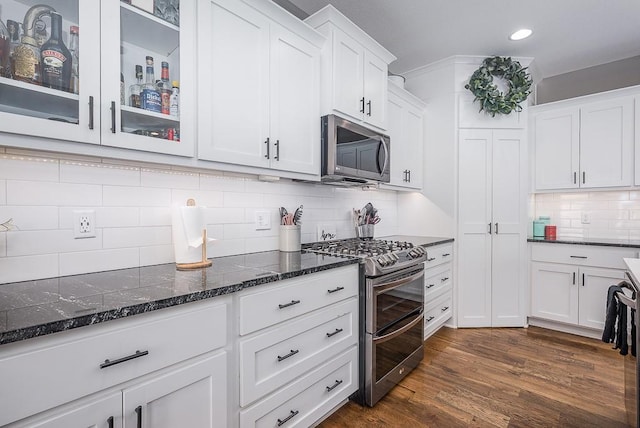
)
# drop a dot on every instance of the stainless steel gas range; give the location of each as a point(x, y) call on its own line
point(392, 306)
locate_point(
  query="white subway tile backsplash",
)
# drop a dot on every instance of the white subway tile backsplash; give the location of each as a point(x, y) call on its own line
point(98, 173)
point(28, 168)
point(54, 194)
point(155, 216)
point(169, 179)
point(133, 203)
point(3, 192)
point(14, 269)
point(121, 196)
point(30, 218)
point(136, 236)
point(98, 261)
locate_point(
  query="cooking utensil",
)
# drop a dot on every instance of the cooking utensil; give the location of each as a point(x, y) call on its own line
point(297, 215)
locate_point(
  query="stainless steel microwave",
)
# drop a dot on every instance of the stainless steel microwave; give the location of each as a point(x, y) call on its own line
point(353, 154)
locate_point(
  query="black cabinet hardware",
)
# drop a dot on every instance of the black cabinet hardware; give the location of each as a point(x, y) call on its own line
point(109, 363)
point(91, 112)
point(286, 305)
point(489, 228)
point(583, 280)
point(445, 308)
point(574, 278)
point(444, 279)
point(335, 290)
point(496, 228)
point(431, 259)
point(334, 386)
point(277, 157)
point(430, 285)
point(113, 117)
point(369, 112)
point(139, 413)
point(110, 421)
point(290, 354)
point(584, 177)
point(578, 257)
point(338, 330)
point(446, 255)
point(362, 103)
point(268, 147)
point(575, 180)
point(288, 418)
point(430, 318)
point(409, 171)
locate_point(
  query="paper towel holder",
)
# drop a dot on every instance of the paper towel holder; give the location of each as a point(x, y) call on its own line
point(204, 263)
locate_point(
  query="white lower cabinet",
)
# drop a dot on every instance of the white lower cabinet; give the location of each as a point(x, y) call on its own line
point(438, 287)
point(146, 360)
point(298, 351)
point(569, 284)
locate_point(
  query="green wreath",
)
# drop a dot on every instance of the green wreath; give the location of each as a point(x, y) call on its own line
point(491, 99)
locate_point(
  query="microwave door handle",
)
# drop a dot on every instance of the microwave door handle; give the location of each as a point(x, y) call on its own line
point(386, 157)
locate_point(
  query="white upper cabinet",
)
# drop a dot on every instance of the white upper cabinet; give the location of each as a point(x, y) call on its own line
point(586, 145)
point(406, 132)
point(113, 38)
point(259, 83)
point(29, 108)
point(354, 69)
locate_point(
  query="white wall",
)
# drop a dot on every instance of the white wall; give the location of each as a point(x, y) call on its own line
point(613, 215)
point(132, 202)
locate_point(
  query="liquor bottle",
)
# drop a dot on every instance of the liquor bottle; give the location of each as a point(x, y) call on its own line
point(164, 88)
point(14, 42)
point(121, 89)
point(174, 101)
point(26, 65)
point(136, 89)
point(56, 58)
point(74, 48)
point(5, 39)
point(150, 97)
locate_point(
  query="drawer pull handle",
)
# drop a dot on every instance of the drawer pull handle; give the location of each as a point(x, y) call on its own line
point(445, 308)
point(139, 413)
point(430, 318)
point(335, 289)
point(286, 305)
point(288, 418)
point(431, 285)
point(290, 354)
point(578, 257)
point(446, 278)
point(110, 421)
point(431, 259)
point(334, 386)
point(446, 255)
point(338, 330)
point(138, 354)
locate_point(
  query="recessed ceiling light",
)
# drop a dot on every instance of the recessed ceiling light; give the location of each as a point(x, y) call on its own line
point(521, 34)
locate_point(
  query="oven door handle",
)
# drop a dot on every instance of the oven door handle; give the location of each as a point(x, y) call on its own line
point(396, 333)
point(626, 300)
point(379, 289)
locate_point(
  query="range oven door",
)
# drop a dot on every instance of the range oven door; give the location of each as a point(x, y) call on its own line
point(395, 330)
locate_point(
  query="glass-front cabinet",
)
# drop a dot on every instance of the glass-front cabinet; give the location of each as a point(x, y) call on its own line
point(46, 89)
point(123, 83)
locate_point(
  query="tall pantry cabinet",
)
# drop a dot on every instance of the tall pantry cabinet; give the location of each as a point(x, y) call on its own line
point(476, 176)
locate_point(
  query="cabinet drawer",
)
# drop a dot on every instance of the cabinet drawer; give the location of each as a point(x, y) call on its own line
point(68, 365)
point(439, 311)
point(437, 281)
point(309, 398)
point(280, 302)
point(438, 255)
point(276, 357)
point(582, 255)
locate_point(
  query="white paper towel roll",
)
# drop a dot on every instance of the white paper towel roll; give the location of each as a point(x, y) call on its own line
point(187, 226)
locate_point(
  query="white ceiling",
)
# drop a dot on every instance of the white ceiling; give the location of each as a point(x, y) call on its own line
point(568, 35)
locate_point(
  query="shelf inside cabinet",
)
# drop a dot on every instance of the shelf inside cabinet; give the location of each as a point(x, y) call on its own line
point(135, 118)
point(38, 101)
point(143, 29)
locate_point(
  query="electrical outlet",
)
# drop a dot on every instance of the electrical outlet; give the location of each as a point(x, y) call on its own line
point(263, 220)
point(84, 224)
point(586, 218)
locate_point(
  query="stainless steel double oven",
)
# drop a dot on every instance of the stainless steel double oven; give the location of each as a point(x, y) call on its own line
point(394, 329)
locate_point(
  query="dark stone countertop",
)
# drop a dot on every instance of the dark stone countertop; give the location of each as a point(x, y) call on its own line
point(40, 307)
point(628, 243)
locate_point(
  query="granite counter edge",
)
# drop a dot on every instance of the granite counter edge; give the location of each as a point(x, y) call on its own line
point(587, 243)
point(47, 328)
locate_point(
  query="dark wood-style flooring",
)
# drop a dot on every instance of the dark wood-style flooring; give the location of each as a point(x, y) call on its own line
point(504, 377)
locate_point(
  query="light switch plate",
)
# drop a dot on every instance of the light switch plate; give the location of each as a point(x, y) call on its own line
point(263, 220)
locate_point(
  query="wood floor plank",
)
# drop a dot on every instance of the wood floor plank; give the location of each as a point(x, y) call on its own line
point(504, 377)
